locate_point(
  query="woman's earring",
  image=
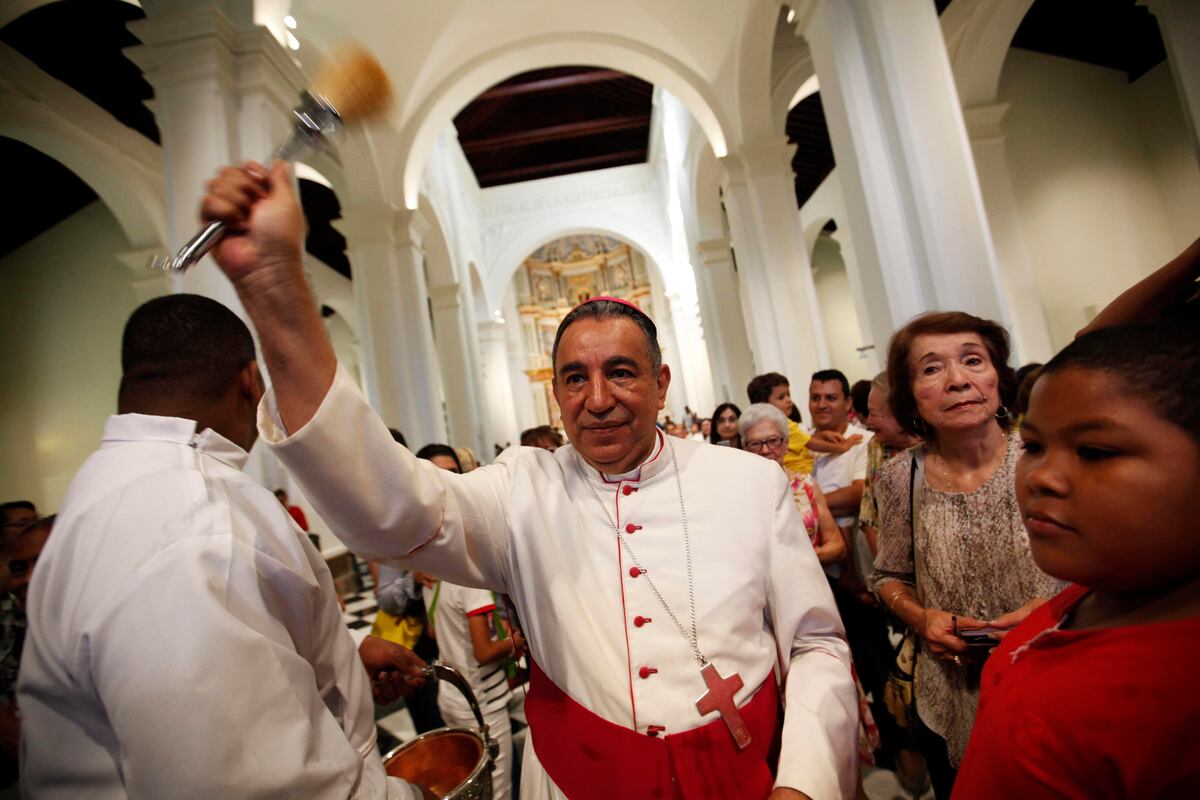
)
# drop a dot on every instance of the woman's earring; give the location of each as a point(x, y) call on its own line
point(1002, 412)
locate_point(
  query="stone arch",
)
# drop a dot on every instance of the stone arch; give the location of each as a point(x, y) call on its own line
point(978, 35)
point(131, 191)
point(437, 111)
point(812, 232)
point(755, 57)
point(521, 245)
point(705, 192)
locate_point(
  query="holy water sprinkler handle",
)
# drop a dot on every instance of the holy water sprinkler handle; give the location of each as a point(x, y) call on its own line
point(315, 124)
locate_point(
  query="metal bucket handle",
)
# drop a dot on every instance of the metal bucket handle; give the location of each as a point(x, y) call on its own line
point(444, 672)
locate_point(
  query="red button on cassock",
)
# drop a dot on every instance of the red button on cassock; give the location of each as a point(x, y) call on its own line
point(628, 490)
point(634, 572)
point(630, 528)
point(639, 621)
point(654, 730)
point(646, 672)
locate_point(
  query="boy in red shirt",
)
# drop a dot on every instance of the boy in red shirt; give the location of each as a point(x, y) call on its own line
point(1093, 696)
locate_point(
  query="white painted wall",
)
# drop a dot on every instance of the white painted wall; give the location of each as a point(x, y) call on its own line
point(1105, 183)
point(66, 301)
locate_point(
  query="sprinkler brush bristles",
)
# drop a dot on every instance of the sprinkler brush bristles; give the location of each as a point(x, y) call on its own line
point(354, 83)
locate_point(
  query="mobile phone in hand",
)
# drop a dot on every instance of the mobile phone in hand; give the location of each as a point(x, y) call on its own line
point(980, 637)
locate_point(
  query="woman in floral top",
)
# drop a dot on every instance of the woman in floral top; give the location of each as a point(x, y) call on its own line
point(764, 431)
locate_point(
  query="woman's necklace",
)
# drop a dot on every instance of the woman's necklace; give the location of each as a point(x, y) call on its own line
point(946, 477)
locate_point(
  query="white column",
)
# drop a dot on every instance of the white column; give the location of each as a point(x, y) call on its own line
point(457, 366)
point(222, 92)
point(908, 178)
point(874, 353)
point(1031, 335)
point(1179, 22)
point(497, 386)
point(518, 362)
point(400, 366)
point(732, 363)
point(221, 95)
point(774, 273)
point(693, 355)
point(679, 395)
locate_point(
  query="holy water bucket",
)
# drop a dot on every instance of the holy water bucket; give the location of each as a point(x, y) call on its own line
point(451, 763)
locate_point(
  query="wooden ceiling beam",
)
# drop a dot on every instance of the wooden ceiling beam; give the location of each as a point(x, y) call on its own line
point(553, 133)
point(577, 164)
point(551, 84)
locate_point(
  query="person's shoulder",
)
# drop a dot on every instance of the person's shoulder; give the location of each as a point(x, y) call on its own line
point(898, 467)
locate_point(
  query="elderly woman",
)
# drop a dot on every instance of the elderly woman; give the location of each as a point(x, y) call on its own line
point(764, 430)
point(953, 552)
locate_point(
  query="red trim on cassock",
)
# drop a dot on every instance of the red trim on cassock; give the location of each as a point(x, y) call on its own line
point(590, 758)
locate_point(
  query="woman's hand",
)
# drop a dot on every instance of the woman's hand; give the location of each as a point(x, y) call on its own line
point(937, 629)
point(1014, 618)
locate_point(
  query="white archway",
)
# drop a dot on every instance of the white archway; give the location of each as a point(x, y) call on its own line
point(518, 248)
point(132, 191)
point(550, 50)
point(978, 35)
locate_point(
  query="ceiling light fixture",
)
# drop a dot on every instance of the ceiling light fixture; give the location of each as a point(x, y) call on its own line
point(290, 21)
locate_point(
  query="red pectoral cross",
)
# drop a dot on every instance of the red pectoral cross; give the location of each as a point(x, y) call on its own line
point(719, 698)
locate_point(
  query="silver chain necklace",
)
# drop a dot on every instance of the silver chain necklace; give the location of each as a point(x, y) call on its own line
point(687, 549)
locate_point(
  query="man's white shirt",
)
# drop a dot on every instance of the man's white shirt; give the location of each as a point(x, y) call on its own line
point(833, 471)
point(184, 638)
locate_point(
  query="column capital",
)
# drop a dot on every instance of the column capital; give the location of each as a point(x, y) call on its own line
point(381, 223)
point(764, 157)
point(984, 121)
point(446, 297)
point(184, 47)
point(264, 65)
point(715, 251)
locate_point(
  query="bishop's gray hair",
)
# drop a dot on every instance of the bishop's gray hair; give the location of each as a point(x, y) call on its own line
point(609, 309)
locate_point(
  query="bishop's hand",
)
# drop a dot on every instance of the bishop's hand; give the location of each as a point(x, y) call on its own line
point(786, 793)
point(264, 224)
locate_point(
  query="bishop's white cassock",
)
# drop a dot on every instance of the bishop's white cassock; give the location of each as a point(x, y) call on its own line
point(529, 526)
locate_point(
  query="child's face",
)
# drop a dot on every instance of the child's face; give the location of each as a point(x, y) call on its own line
point(1107, 488)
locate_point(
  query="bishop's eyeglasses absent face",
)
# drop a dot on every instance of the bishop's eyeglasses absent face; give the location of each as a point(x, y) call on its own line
point(609, 391)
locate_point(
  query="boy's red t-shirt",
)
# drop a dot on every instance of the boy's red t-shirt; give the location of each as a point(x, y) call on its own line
point(1087, 714)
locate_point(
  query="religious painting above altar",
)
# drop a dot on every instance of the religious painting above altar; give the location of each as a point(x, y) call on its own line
point(557, 277)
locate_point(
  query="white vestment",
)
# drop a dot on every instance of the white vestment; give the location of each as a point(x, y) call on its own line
point(184, 639)
point(529, 526)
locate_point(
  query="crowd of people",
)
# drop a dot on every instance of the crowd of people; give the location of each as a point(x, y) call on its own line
point(987, 579)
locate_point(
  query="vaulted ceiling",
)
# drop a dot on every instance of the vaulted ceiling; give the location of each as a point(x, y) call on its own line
point(554, 122)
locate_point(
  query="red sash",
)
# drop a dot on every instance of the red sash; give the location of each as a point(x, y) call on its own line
point(589, 757)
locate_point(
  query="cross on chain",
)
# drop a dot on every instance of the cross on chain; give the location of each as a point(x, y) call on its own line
point(719, 698)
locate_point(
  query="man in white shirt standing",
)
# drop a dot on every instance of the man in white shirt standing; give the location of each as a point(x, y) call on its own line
point(184, 637)
point(840, 475)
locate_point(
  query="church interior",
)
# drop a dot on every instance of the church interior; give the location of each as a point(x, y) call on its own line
point(780, 184)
